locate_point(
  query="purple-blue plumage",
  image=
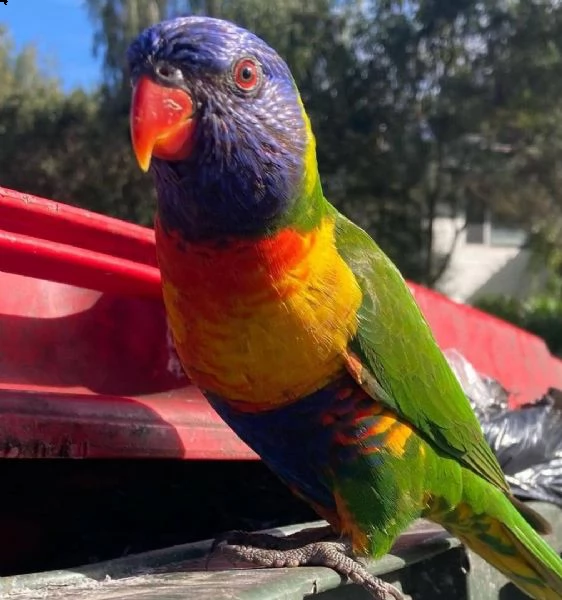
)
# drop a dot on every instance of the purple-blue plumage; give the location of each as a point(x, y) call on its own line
point(292, 440)
point(247, 163)
point(300, 441)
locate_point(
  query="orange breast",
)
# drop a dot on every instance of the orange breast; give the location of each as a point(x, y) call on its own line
point(260, 322)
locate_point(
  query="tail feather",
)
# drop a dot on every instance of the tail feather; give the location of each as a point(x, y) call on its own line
point(548, 566)
point(513, 547)
point(535, 520)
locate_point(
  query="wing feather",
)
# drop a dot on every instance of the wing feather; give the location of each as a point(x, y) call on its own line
point(396, 359)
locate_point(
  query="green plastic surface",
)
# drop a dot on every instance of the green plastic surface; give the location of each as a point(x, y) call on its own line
point(426, 563)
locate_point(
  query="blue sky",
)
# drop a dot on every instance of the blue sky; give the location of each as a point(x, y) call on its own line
point(62, 33)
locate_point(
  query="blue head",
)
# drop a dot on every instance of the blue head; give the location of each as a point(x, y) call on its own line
point(217, 117)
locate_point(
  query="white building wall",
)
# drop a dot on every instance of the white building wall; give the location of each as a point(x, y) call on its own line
point(483, 269)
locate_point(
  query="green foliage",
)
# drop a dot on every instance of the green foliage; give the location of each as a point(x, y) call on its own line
point(541, 315)
point(72, 147)
point(20, 72)
point(419, 107)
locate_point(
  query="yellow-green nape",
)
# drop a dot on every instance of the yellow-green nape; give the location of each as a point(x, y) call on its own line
point(310, 174)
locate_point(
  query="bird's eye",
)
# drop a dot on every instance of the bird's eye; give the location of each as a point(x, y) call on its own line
point(247, 74)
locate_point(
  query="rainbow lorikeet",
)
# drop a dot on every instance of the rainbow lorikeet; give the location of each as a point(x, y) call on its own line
point(299, 330)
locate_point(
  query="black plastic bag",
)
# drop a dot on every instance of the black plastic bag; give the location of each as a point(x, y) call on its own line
point(527, 441)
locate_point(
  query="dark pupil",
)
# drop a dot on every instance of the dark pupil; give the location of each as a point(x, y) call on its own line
point(247, 73)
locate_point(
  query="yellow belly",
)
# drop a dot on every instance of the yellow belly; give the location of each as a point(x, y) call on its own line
point(277, 338)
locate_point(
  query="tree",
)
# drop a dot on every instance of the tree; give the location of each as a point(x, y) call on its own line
point(473, 89)
point(62, 146)
point(117, 23)
point(420, 107)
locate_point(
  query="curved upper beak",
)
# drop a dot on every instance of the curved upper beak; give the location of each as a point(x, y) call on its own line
point(161, 122)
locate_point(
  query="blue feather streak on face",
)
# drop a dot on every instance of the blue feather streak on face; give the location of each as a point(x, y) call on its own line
point(247, 164)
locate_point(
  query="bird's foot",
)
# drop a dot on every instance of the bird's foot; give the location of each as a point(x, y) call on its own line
point(274, 542)
point(270, 551)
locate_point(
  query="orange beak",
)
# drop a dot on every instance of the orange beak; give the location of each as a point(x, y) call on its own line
point(161, 121)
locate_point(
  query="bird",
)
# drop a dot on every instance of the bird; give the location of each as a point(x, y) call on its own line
point(299, 330)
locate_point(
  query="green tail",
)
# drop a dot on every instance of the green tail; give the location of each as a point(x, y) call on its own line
point(502, 536)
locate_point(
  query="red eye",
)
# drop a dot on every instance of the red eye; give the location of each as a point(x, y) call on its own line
point(247, 74)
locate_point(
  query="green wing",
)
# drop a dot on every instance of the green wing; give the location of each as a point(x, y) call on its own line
point(400, 362)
